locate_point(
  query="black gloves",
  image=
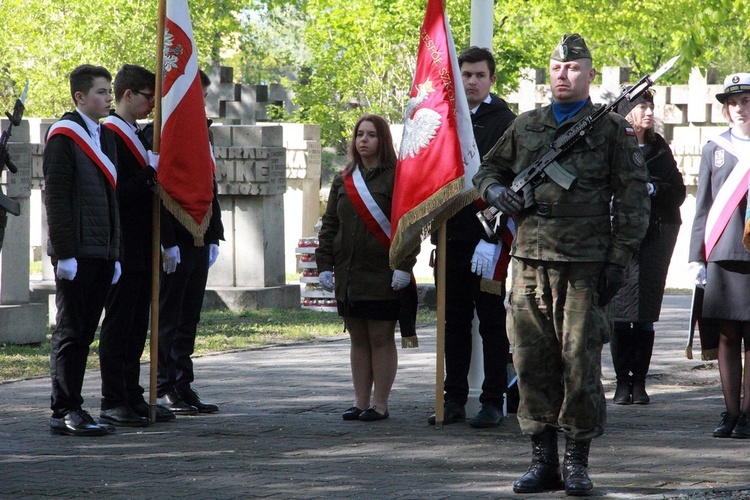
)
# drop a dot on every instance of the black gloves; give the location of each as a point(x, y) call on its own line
point(610, 281)
point(504, 199)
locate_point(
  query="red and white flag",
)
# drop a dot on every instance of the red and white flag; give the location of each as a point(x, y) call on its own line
point(186, 164)
point(438, 155)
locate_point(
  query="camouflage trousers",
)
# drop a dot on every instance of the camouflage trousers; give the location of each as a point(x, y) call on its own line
point(557, 330)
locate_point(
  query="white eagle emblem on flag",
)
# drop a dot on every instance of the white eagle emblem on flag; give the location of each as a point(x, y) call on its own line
point(420, 130)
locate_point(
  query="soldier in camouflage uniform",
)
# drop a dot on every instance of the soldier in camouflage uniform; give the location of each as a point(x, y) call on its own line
point(568, 262)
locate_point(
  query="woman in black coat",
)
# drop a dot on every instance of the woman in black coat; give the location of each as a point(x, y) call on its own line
point(638, 303)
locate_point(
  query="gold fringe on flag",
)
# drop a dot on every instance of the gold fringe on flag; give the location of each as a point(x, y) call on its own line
point(416, 224)
point(198, 231)
point(746, 236)
point(491, 286)
point(409, 342)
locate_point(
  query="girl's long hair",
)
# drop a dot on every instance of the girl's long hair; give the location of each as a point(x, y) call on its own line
point(386, 153)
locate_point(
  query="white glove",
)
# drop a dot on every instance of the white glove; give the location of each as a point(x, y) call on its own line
point(153, 160)
point(400, 279)
point(67, 268)
point(326, 280)
point(117, 273)
point(697, 269)
point(170, 257)
point(213, 253)
point(651, 188)
point(484, 254)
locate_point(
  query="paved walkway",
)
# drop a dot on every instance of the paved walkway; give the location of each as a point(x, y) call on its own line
point(280, 434)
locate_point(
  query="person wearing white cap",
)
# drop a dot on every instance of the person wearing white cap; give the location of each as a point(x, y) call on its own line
point(720, 262)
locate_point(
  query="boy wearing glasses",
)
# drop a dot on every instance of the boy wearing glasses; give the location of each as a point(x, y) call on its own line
point(124, 329)
point(80, 176)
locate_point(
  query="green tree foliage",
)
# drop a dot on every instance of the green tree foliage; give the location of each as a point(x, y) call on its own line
point(42, 41)
point(342, 58)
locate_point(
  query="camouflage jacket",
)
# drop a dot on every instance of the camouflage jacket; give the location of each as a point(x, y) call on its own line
point(609, 167)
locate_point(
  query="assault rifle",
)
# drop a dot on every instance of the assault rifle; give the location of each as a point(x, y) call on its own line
point(494, 221)
point(6, 204)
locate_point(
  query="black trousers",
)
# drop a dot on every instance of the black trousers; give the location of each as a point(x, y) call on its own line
point(79, 306)
point(180, 302)
point(463, 296)
point(123, 338)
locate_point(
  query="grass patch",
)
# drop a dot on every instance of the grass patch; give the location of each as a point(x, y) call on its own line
point(218, 331)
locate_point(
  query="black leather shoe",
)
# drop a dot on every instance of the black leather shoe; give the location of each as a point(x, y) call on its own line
point(726, 426)
point(452, 412)
point(122, 416)
point(172, 402)
point(76, 423)
point(489, 416)
point(163, 414)
point(191, 397)
point(742, 428)
point(371, 415)
point(352, 413)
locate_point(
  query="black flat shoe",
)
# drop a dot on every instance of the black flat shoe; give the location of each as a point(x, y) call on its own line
point(172, 402)
point(76, 423)
point(742, 429)
point(163, 414)
point(352, 413)
point(726, 426)
point(123, 416)
point(371, 415)
point(190, 397)
point(452, 413)
point(489, 416)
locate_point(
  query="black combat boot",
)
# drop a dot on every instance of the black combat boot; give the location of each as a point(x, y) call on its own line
point(643, 346)
point(620, 346)
point(544, 471)
point(575, 468)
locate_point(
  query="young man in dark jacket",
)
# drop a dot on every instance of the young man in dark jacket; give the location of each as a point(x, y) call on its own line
point(471, 260)
point(84, 239)
point(181, 289)
point(125, 326)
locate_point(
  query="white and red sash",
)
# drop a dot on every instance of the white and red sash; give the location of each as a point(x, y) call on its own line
point(128, 135)
point(81, 137)
point(374, 218)
point(729, 196)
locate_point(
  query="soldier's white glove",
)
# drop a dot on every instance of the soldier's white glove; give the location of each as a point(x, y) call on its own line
point(118, 272)
point(484, 254)
point(213, 253)
point(697, 269)
point(170, 257)
point(651, 188)
point(326, 280)
point(67, 269)
point(153, 160)
point(400, 279)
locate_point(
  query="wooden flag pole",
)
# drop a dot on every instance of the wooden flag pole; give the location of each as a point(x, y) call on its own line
point(440, 342)
point(156, 220)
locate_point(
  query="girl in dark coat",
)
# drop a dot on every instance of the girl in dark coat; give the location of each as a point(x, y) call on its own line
point(354, 240)
point(638, 303)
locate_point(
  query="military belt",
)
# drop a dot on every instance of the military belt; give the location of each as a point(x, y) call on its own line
point(570, 209)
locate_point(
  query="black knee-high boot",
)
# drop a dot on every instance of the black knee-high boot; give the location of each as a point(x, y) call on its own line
point(643, 346)
point(621, 347)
